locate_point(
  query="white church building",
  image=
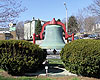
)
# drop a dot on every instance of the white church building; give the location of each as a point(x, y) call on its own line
point(29, 29)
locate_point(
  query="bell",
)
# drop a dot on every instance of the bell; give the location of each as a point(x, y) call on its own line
point(53, 38)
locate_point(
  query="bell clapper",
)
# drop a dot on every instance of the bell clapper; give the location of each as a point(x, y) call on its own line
point(54, 51)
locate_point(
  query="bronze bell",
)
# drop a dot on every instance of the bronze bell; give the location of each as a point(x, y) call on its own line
point(53, 38)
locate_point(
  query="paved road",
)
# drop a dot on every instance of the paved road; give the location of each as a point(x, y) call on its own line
point(53, 57)
point(51, 51)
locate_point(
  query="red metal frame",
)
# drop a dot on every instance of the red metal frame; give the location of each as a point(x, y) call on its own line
point(41, 36)
point(53, 22)
point(34, 38)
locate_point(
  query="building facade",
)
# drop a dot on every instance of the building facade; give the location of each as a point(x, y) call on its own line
point(8, 33)
point(29, 29)
point(96, 29)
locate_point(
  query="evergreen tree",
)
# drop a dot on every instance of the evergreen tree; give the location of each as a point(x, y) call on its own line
point(59, 20)
point(72, 24)
point(38, 27)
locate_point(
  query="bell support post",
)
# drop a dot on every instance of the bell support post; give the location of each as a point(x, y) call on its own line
point(53, 22)
point(72, 36)
point(34, 35)
point(34, 38)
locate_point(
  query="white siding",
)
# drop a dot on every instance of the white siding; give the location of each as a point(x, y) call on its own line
point(27, 31)
point(33, 27)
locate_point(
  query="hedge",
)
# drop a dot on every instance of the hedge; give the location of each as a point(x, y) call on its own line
point(19, 57)
point(82, 57)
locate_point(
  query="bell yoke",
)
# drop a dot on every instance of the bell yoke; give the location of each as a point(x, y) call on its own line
point(53, 35)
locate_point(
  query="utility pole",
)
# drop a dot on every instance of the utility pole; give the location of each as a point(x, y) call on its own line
point(66, 17)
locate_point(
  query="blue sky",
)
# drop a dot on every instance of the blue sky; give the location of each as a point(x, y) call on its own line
point(48, 9)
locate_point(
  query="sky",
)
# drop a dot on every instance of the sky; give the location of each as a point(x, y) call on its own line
point(48, 9)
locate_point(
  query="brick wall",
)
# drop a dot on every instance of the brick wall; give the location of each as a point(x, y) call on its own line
point(10, 36)
point(2, 36)
point(13, 35)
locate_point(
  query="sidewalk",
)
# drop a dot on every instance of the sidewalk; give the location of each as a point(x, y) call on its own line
point(53, 69)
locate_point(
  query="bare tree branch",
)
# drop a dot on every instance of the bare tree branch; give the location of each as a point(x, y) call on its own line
point(9, 10)
point(95, 7)
point(86, 22)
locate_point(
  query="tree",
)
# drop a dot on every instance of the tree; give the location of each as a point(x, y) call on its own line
point(38, 27)
point(81, 15)
point(72, 24)
point(9, 10)
point(64, 20)
point(85, 21)
point(95, 7)
point(89, 22)
point(59, 20)
point(20, 30)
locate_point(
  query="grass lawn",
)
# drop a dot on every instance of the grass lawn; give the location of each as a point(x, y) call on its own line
point(32, 78)
point(23, 78)
point(55, 61)
point(1, 70)
point(75, 79)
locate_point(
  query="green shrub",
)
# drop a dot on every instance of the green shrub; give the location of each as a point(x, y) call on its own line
point(19, 57)
point(82, 57)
